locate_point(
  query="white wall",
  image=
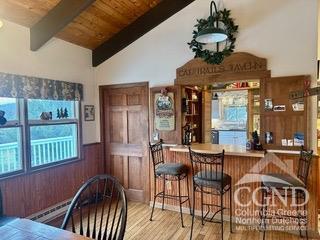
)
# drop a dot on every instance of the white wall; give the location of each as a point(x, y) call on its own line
point(284, 32)
point(57, 60)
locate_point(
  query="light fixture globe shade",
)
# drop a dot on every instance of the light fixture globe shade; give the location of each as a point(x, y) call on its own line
point(211, 35)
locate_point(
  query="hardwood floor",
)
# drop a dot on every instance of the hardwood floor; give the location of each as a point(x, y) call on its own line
point(167, 226)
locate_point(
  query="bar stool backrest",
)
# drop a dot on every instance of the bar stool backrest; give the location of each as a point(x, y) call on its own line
point(156, 153)
point(209, 165)
point(304, 165)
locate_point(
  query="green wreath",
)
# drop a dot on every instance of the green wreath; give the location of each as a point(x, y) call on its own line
point(231, 29)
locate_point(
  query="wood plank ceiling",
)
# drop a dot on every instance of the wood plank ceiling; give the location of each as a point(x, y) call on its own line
point(94, 26)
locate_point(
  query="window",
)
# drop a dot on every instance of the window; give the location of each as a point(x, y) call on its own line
point(46, 142)
point(10, 136)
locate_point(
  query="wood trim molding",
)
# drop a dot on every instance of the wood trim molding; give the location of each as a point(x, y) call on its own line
point(56, 19)
point(145, 23)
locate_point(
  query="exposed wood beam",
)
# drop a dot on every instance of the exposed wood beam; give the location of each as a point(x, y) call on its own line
point(56, 19)
point(148, 21)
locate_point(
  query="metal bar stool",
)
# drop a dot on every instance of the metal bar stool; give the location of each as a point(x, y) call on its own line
point(288, 186)
point(168, 172)
point(209, 178)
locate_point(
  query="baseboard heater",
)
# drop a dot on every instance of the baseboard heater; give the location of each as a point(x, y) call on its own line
point(51, 213)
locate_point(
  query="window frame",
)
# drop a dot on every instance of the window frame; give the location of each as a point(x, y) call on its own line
point(25, 128)
point(18, 123)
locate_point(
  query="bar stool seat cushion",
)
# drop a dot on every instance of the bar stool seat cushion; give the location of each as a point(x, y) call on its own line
point(212, 179)
point(277, 180)
point(173, 169)
point(5, 220)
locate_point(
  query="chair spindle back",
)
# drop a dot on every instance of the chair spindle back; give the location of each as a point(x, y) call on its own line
point(98, 210)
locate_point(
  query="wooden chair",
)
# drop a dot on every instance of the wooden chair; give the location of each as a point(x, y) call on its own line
point(3, 218)
point(98, 210)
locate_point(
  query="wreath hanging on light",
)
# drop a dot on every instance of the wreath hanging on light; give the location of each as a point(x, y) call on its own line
point(208, 33)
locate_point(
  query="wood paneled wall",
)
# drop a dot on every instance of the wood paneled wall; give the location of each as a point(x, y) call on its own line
point(27, 194)
point(237, 167)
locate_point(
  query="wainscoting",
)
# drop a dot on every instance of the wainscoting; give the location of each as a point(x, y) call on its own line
point(27, 194)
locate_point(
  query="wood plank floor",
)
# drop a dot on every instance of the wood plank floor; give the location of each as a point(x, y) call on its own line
point(167, 226)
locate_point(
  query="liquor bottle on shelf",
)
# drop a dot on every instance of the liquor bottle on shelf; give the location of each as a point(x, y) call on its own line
point(187, 136)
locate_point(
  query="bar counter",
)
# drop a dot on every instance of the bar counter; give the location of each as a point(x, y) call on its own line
point(230, 150)
point(238, 163)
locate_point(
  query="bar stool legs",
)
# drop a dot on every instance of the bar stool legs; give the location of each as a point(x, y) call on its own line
point(180, 203)
point(221, 204)
point(164, 191)
point(163, 195)
point(264, 210)
point(221, 210)
point(154, 199)
point(230, 200)
point(188, 191)
point(193, 207)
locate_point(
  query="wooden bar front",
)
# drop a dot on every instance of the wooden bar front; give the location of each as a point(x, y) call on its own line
point(237, 166)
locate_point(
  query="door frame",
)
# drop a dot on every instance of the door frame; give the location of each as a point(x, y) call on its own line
point(102, 88)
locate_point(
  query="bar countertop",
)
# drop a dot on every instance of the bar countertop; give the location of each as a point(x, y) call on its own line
point(230, 150)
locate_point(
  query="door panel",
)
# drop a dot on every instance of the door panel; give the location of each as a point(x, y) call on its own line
point(125, 131)
point(117, 167)
point(134, 168)
point(116, 123)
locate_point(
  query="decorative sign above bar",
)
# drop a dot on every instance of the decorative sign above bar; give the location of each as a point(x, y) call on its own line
point(237, 63)
point(164, 111)
point(294, 95)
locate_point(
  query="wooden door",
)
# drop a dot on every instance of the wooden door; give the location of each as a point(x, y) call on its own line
point(124, 129)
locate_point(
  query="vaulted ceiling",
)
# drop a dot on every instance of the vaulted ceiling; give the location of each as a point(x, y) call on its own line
point(98, 23)
point(105, 26)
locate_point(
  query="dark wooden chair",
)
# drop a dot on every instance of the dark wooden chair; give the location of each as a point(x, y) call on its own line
point(3, 218)
point(286, 185)
point(209, 178)
point(98, 210)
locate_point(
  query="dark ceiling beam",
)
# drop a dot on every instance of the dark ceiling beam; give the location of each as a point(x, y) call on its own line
point(56, 19)
point(148, 21)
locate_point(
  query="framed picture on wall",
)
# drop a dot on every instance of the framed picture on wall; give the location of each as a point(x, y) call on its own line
point(89, 113)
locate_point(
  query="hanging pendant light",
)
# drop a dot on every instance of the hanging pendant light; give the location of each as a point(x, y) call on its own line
point(212, 33)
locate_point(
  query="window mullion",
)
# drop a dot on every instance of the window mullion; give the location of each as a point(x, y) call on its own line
point(27, 138)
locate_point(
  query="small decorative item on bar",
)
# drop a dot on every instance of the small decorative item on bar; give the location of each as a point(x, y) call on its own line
point(269, 137)
point(3, 120)
point(187, 136)
point(298, 106)
point(298, 139)
point(164, 111)
point(284, 142)
point(89, 113)
point(213, 42)
point(155, 136)
point(249, 145)
point(279, 108)
point(256, 142)
point(46, 116)
point(290, 142)
point(268, 105)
